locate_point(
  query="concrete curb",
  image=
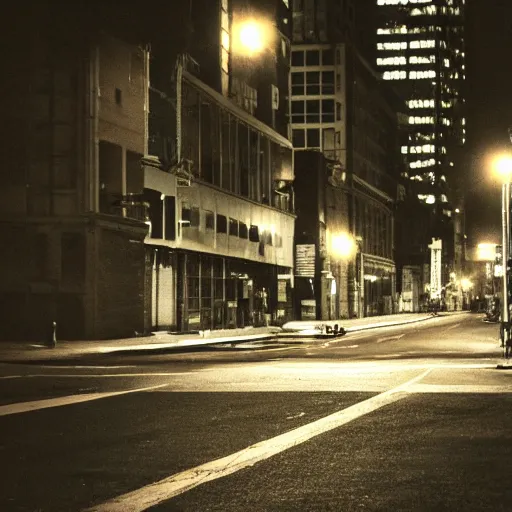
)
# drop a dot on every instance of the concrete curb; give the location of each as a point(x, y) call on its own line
point(187, 343)
point(388, 324)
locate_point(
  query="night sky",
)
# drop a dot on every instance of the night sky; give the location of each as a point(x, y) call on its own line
point(489, 105)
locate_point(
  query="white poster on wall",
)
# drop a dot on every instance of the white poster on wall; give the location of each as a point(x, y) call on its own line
point(436, 248)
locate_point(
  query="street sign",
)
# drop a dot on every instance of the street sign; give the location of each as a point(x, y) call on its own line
point(305, 260)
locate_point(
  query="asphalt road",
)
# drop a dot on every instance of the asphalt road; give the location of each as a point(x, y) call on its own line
point(404, 418)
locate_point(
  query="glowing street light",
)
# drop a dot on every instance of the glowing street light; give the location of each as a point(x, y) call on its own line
point(343, 245)
point(252, 36)
point(503, 167)
point(486, 252)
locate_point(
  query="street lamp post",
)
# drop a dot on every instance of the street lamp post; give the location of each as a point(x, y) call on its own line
point(349, 248)
point(360, 309)
point(504, 168)
point(505, 317)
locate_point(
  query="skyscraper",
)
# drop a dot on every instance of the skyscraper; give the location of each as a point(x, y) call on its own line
point(420, 46)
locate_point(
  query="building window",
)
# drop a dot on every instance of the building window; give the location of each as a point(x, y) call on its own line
point(233, 227)
point(298, 111)
point(222, 224)
point(298, 84)
point(313, 111)
point(312, 83)
point(298, 58)
point(313, 138)
point(298, 139)
point(242, 230)
point(327, 111)
point(312, 58)
point(327, 82)
point(254, 235)
point(209, 220)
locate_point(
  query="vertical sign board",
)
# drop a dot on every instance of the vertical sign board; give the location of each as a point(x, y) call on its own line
point(435, 268)
point(305, 260)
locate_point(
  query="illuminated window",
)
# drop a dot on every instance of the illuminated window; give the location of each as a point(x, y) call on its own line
point(392, 61)
point(427, 198)
point(392, 46)
point(423, 43)
point(395, 75)
point(421, 103)
point(420, 75)
point(428, 10)
point(402, 2)
point(425, 59)
point(395, 30)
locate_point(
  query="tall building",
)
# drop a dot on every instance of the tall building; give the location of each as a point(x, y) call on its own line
point(342, 108)
point(420, 49)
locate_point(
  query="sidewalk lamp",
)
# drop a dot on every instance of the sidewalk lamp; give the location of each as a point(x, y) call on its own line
point(347, 246)
point(503, 167)
point(343, 245)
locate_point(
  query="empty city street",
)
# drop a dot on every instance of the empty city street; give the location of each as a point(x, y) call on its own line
point(412, 417)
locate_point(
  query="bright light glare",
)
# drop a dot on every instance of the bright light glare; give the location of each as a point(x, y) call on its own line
point(486, 252)
point(503, 166)
point(466, 284)
point(343, 245)
point(251, 36)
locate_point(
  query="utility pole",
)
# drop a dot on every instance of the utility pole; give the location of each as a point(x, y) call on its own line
point(505, 224)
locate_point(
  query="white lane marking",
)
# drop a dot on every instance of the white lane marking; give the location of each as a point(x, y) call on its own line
point(452, 327)
point(390, 338)
point(296, 416)
point(6, 410)
point(158, 492)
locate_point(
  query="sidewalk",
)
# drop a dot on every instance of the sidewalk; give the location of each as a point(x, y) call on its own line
point(357, 324)
point(163, 341)
point(158, 341)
